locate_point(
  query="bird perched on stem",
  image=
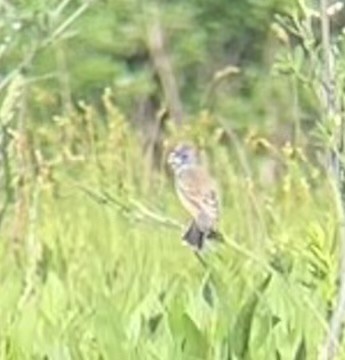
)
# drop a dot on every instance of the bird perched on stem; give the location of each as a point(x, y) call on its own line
point(197, 191)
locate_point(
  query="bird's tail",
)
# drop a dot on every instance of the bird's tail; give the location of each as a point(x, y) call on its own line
point(196, 237)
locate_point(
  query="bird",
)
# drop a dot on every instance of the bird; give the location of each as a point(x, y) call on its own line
point(198, 193)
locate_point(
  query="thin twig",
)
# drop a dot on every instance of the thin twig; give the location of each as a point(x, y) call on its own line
point(67, 23)
point(132, 209)
point(57, 33)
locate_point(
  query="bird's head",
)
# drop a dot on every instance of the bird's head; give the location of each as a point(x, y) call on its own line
point(183, 155)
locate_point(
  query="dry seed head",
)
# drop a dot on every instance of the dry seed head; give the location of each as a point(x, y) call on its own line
point(280, 33)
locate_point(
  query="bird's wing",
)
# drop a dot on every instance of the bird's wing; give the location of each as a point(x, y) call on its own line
point(198, 192)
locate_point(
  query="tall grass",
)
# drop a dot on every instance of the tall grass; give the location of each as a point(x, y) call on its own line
point(92, 265)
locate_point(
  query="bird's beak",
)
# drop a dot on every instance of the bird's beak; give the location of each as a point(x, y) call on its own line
point(174, 160)
point(171, 158)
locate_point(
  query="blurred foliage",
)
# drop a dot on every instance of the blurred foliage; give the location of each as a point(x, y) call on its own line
point(92, 265)
point(107, 46)
point(92, 259)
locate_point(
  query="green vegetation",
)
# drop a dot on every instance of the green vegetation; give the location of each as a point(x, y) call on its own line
point(92, 265)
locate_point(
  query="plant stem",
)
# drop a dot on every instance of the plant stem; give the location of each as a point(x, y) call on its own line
point(336, 174)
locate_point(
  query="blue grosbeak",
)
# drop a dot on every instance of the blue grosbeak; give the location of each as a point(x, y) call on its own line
point(197, 191)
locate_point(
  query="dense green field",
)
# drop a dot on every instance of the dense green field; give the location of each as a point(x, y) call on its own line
point(92, 264)
point(93, 95)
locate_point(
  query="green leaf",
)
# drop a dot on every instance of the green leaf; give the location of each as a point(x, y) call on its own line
point(153, 322)
point(208, 292)
point(301, 353)
point(242, 328)
point(194, 342)
point(108, 330)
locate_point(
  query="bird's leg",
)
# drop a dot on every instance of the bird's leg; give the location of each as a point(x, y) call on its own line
point(215, 235)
